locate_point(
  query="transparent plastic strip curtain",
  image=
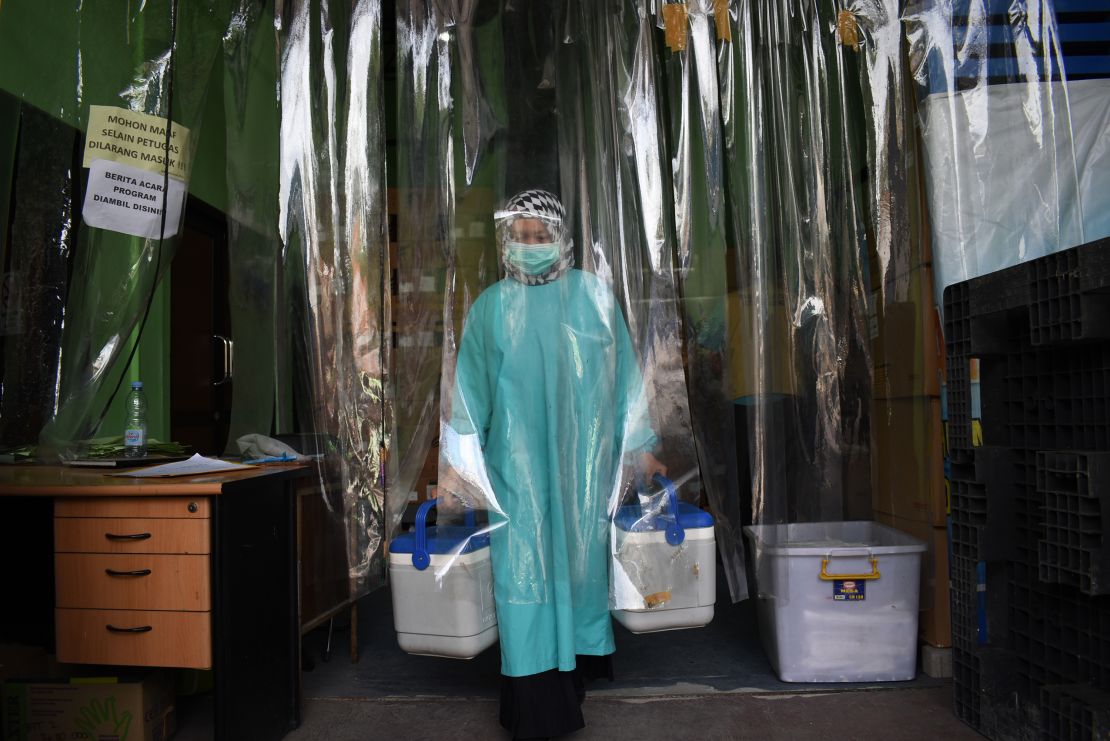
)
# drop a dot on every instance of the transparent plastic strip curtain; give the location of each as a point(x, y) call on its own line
point(569, 104)
point(258, 317)
point(1015, 147)
point(697, 165)
point(146, 59)
point(615, 170)
point(333, 233)
point(425, 199)
point(618, 175)
point(801, 370)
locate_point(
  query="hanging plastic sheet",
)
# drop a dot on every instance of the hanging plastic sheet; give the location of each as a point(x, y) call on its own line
point(259, 329)
point(615, 170)
point(697, 166)
point(563, 388)
point(425, 228)
point(908, 487)
point(798, 333)
point(110, 104)
point(1017, 161)
point(333, 232)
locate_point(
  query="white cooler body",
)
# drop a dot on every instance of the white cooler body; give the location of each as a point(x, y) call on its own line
point(691, 579)
point(452, 616)
point(811, 630)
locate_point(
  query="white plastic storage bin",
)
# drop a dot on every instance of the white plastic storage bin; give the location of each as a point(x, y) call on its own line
point(452, 616)
point(669, 566)
point(837, 600)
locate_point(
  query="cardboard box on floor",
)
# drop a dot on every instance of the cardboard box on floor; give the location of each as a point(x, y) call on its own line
point(935, 619)
point(907, 461)
point(17, 660)
point(89, 708)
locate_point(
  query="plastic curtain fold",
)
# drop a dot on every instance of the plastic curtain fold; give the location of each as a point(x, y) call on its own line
point(615, 170)
point(545, 207)
point(65, 361)
point(332, 227)
point(425, 200)
point(259, 322)
point(696, 148)
point(800, 350)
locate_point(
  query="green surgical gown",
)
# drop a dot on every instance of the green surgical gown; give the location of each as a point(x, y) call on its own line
point(548, 380)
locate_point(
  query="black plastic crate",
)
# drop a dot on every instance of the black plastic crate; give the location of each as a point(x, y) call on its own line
point(1067, 298)
point(1075, 549)
point(957, 339)
point(965, 682)
point(1074, 713)
point(1030, 609)
point(964, 604)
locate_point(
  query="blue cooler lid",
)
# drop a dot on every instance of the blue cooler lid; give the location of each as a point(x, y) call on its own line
point(443, 539)
point(630, 518)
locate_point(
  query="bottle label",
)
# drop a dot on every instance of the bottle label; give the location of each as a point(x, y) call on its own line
point(133, 438)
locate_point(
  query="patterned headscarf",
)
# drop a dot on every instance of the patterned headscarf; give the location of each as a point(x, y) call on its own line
point(535, 204)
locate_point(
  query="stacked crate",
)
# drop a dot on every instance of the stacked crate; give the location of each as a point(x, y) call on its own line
point(1029, 438)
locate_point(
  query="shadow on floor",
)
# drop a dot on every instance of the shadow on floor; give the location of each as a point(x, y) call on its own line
point(725, 656)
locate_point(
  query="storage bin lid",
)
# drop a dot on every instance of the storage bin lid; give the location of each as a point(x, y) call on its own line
point(630, 518)
point(820, 538)
point(443, 539)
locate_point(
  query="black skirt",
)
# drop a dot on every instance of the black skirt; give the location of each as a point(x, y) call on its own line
point(549, 704)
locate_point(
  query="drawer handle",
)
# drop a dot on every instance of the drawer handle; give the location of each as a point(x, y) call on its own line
point(140, 629)
point(137, 572)
point(133, 536)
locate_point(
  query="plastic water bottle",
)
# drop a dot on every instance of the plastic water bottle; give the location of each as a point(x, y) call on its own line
point(134, 430)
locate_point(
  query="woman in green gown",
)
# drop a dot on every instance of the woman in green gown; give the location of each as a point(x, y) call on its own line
point(549, 388)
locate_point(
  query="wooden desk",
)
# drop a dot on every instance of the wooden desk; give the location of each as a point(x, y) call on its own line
point(239, 611)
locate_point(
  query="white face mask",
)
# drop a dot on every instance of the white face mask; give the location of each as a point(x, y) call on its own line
point(532, 259)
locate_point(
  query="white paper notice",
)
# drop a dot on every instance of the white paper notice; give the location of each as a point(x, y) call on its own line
point(128, 199)
point(198, 465)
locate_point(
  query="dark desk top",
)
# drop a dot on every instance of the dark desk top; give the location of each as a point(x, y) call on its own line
point(49, 481)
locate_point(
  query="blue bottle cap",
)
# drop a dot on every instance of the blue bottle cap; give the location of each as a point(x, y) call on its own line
point(136, 384)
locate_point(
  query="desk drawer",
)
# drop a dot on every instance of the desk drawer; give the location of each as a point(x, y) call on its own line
point(173, 582)
point(130, 535)
point(174, 639)
point(198, 508)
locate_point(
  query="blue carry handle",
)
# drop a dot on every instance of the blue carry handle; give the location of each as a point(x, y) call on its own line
point(420, 556)
point(675, 533)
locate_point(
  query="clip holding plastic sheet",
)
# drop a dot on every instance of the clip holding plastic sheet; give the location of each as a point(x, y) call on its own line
point(721, 19)
point(674, 26)
point(847, 29)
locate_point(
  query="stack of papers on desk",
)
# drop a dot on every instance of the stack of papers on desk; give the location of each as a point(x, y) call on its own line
point(198, 465)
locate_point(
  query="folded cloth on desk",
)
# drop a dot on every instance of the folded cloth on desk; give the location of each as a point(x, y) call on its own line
point(259, 446)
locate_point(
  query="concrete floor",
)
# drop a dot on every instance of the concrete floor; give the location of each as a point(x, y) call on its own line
point(922, 714)
point(710, 683)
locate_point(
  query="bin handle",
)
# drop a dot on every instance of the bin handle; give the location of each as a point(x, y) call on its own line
point(826, 576)
point(675, 533)
point(420, 556)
